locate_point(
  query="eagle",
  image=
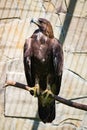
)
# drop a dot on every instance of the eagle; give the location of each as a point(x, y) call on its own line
point(43, 64)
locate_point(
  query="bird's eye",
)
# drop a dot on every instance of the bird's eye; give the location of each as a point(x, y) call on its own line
point(40, 21)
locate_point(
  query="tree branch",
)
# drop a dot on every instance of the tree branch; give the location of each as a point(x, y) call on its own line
point(58, 98)
point(70, 103)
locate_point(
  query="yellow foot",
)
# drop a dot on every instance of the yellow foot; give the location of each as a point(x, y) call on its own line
point(47, 93)
point(46, 97)
point(34, 90)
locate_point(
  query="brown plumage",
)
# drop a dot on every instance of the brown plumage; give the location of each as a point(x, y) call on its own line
point(43, 62)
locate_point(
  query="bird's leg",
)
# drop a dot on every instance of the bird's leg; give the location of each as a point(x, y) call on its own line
point(46, 96)
point(34, 90)
point(47, 93)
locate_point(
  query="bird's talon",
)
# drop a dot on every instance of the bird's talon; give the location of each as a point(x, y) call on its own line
point(47, 97)
point(34, 91)
point(47, 93)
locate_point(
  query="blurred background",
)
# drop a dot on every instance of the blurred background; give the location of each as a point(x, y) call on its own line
point(18, 109)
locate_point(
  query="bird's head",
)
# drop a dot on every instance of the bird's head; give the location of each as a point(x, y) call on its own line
point(44, 26)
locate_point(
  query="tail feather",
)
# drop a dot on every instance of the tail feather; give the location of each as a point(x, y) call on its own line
point(47, 111)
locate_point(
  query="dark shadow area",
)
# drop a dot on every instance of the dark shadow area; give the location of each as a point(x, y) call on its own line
point(67, 20)
point(36, 123)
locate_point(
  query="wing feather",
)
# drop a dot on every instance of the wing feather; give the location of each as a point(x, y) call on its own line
point(28, 63)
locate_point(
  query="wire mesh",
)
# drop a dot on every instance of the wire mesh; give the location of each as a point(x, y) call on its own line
point(69, 21)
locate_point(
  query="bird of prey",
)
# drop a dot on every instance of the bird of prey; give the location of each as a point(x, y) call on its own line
point(43, 63)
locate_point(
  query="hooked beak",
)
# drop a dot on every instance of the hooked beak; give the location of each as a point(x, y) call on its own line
point(35, 21)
